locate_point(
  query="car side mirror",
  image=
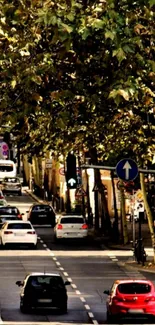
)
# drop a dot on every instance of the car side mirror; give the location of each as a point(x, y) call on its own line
point(106, 292)
point(67, 283)
point(19, 283)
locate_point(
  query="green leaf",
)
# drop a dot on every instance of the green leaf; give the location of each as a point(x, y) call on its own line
point(97, 24)
point(110, 35)
point(67, 28)
point(152, 3)
point(120, 54)
point(123, 93)
point(70, 16)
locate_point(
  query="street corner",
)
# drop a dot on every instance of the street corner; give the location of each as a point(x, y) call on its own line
point(133, 265)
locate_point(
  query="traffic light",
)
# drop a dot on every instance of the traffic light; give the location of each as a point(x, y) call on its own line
point(71, 177)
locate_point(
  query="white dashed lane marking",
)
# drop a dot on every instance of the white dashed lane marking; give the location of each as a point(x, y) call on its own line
point(77, 292)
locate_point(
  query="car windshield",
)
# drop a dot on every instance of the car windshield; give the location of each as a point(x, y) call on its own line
point(41, 208)
point(11, 180)
point(134, 288)
point(72, 220)
point(19, 226)
point(6, 168)
point(9, 210)
point(42, 281)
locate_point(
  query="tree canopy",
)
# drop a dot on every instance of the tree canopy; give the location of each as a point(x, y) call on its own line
point(79, 74)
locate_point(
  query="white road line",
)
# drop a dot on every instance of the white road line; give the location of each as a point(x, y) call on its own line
point(44, 245)
point(95, 321)
point(58, 263)
point(91, 315)
point(73, 285)
point(65, 273)
point(82, 299)
point(54, 259)
point(51, 254)
point(61, 268)
point(87, 307)
point(78, 292)
point(70, 280)
point(115, 259)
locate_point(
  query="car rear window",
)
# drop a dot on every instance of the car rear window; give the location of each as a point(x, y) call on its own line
point(134, 288)
point(41, 208)
point(72, 220)
point(19, 226)
point(42, 281)
point(9, 210)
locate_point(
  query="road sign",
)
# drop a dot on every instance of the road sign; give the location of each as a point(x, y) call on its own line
point(80, 192)
point(127, 169)
point(62, 171)
point(48, 166)
point(48, 163)
point(71, 182)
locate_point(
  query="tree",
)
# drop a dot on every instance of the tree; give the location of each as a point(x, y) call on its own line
point(80, 73)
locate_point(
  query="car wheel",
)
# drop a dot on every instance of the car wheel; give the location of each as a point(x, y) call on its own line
point(110, 318)
point(63, 309)
point(23, 308)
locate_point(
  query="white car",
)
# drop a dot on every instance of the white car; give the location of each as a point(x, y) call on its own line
point(71, 226)
point(18, 232)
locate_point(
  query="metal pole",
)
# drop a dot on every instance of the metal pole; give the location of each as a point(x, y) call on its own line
point(133, 221)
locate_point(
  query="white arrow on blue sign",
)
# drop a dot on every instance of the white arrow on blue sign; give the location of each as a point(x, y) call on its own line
point(127, 169)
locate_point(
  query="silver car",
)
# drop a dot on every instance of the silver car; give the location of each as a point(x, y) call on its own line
point(12, 185)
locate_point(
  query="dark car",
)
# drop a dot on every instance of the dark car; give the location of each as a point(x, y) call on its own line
point(12, 185)
point(41, 214)
point(43, 290)
point(10, 211)
point(4, 219)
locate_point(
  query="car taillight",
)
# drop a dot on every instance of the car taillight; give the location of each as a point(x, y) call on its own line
point(59, 226)
point(19, 216)
point(31, 232)
point(84, 226)
point(6, 232)
point(1, 197)
point(151, 298)
point(118, 299)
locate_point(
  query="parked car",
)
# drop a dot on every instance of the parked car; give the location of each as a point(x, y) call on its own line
point(12, 185)
point(41, 214)
point(130, 298)
point(18, 232)
point(71, 226)
point(43, 290)
point(10, 211)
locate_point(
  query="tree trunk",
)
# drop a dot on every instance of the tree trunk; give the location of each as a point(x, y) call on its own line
point(105, 218)
point(148, 213)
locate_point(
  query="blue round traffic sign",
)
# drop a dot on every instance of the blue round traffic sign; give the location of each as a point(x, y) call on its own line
point(127, 169)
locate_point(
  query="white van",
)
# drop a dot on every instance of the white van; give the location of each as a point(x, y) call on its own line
point(7, 169)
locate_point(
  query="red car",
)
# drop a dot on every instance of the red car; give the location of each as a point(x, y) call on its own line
point(130, 298)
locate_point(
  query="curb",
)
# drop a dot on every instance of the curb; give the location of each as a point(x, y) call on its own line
point(130, 267)
point(36, 197)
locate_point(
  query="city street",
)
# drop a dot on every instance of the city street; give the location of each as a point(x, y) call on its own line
point(90, 269)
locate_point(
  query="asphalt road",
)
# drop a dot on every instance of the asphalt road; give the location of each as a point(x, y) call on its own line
point(90, 270)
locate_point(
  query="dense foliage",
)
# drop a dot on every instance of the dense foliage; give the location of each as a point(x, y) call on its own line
point(79, 73)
